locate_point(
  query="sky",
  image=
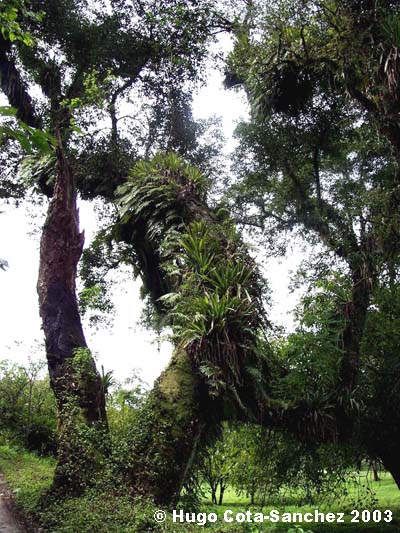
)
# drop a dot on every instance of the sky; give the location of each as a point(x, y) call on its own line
point(126, 346)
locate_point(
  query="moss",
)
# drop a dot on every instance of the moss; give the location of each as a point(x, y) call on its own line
point(178, 384)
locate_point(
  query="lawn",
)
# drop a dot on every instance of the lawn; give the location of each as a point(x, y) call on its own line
point(384, 492)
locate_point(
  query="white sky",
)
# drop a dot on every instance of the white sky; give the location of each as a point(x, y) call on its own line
point(125, 346)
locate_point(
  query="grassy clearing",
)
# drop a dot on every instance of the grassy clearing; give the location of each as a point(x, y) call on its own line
point(384, 492)
point(111, 511)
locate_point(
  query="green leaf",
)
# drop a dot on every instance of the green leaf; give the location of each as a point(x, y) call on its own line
point(7, 111)
point(40, 140)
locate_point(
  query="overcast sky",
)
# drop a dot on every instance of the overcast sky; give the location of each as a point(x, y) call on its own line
point(125, 346)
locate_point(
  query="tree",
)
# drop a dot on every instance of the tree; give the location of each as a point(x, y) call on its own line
point(329, 173)
point(217, 463)
point(199, 273)
point(99, 59)
point(274, 466)
point(314, 160)
point(123, 404)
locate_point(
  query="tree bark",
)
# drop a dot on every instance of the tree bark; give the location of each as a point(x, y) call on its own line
point(168, 432)
point(221, 493)
point(355, 314)
point(391, 461)
point(60, 250)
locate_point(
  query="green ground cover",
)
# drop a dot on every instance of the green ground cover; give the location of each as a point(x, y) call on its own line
point(110, 510)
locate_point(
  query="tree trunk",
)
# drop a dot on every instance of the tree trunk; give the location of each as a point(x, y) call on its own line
point(355, 314)
point(60, 250)
point(392, 465)
point(221, 493)
point(73, 375)
point(168, 432)
point(186, 397)
point(375, 471)
point(390, 458)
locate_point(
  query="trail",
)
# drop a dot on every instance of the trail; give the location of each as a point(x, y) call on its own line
point(8, 523)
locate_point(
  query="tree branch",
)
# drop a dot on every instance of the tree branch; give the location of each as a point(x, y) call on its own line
point(14, 87)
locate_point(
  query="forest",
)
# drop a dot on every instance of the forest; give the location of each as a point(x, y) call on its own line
point(248, 416)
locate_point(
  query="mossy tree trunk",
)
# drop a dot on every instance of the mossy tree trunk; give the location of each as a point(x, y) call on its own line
point(164, 212)
point(168, 432)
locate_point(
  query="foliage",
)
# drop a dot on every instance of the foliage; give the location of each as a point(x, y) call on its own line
point(310, 157)
point(311, 351)
point(29, 138)
point(38, 172)
point(123, 404)
point(158, 182)
point(303, 48)
point(98, 272)
point(311, 160)
point(86, 60)
point(217, 464)
point(29, 476)
point(12, 11)
point(215, 313)
point(10, 14)
point(273, 468)
point(319, 158)
point(27, 407)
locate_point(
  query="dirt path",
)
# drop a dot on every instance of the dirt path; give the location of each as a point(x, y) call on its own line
point(8, 523)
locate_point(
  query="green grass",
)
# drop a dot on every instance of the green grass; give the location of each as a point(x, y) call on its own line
point(110, 510)
point(28, 475)
point(386, 491)
point(386, 496)
point(99, 510)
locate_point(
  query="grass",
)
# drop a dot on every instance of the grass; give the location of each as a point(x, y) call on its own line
point(28, 475)
point(111, 511)
point(384, 492)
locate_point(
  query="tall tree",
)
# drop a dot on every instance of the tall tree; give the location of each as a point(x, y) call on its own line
point(313, 157)
point(209, 288)
point(85, 57)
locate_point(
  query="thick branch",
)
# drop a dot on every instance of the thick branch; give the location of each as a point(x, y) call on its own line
point(14, 88)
